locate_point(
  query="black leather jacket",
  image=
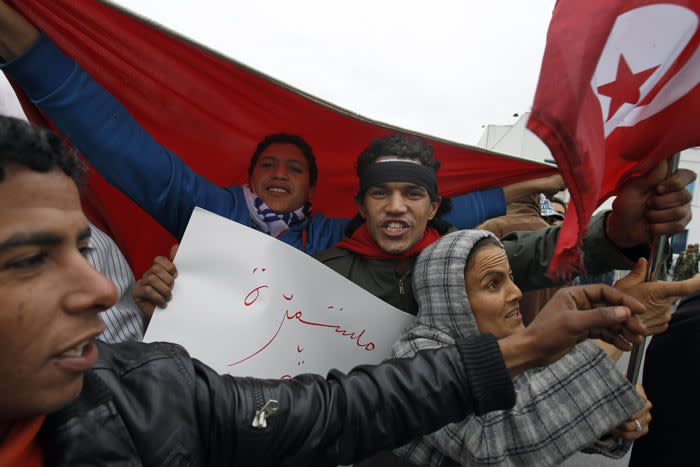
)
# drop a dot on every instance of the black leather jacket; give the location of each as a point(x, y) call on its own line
point(151, 404)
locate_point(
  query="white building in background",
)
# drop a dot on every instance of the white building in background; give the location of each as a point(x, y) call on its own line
point(517, 140)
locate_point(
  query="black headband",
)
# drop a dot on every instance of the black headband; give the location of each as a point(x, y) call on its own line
point(382, 172)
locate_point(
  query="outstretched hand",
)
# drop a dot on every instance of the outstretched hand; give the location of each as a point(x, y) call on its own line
point(650, 205)
point(572, 315)
point(657, 297)
point(156, 285)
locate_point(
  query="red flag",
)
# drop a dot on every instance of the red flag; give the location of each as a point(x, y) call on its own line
point(618, 93)
point(212, 112)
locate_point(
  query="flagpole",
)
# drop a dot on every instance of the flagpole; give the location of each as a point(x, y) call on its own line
point(655, 257)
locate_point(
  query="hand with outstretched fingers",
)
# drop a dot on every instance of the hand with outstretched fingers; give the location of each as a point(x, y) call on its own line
point(657, 296)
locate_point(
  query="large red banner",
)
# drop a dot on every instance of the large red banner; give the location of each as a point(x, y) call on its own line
point(212, 112)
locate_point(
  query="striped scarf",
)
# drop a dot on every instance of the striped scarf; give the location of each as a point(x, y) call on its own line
point(267, 220)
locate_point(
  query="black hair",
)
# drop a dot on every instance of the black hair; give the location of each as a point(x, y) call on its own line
point(399, 146)
point(484, 242)
point(37, 149)
point(402, 147)
point(286, 138)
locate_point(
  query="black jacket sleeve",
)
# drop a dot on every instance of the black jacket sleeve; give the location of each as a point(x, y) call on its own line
point(343, 418)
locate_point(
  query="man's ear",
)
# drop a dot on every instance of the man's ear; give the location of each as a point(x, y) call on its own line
point(359, 204)
point(312, 190)
point(434, 205)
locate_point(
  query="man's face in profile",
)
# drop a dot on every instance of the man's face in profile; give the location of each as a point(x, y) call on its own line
point(50, 295)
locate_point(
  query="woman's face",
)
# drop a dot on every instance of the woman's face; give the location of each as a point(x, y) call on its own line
point(493, 296)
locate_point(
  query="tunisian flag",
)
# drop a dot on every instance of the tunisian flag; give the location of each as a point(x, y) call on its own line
point(618, 93)
point(212, 112)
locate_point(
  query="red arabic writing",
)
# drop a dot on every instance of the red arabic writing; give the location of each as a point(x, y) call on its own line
point(248, 300)
point(369, 346)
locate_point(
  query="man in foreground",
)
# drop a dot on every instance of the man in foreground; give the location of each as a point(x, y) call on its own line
point(66, 399)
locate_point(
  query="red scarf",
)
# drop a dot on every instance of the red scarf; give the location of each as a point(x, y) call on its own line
point(20, 446)
point(362, 244)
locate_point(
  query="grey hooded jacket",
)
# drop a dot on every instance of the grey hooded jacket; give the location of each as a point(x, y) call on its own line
point(559, 410)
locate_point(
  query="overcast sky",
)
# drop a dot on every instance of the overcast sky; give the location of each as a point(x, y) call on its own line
point(444, 68)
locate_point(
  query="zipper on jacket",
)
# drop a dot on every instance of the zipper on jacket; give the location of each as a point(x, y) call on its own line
point(262, 412)
point(269, 409)
point(402, 286)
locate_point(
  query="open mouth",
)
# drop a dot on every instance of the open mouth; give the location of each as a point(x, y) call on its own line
point(78, 358)
point(394, 228)
point(277, 189)
point(515, 314)
point(76, 351)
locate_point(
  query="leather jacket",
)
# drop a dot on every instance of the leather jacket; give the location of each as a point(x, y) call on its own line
point(152, 404)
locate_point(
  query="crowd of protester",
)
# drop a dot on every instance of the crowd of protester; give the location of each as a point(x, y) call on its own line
point(502, 366)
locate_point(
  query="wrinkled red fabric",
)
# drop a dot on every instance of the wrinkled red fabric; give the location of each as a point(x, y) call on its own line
point(212, 112)
point(569, 117)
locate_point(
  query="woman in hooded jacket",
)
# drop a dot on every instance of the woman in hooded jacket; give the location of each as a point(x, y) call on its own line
point(464, 287)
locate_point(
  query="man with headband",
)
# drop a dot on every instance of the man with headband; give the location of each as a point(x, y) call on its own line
point(400, 214)
point(398, 202)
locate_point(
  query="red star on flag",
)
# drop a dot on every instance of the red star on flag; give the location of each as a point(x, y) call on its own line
point(626, 86)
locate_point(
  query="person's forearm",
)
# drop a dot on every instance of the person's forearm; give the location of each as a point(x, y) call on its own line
point(517, 353)
point(550, 184)
point(16, 33)
point(115, 144)
point(371, 407)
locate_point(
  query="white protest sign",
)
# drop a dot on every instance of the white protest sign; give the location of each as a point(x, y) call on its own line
point(247, 304)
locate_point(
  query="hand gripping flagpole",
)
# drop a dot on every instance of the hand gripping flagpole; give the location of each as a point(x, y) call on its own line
point(655, 258)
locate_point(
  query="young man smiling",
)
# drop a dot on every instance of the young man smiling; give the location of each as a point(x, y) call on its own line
point(398, 210)
point(66, 399)
point(397, 203)
point(284, 174)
